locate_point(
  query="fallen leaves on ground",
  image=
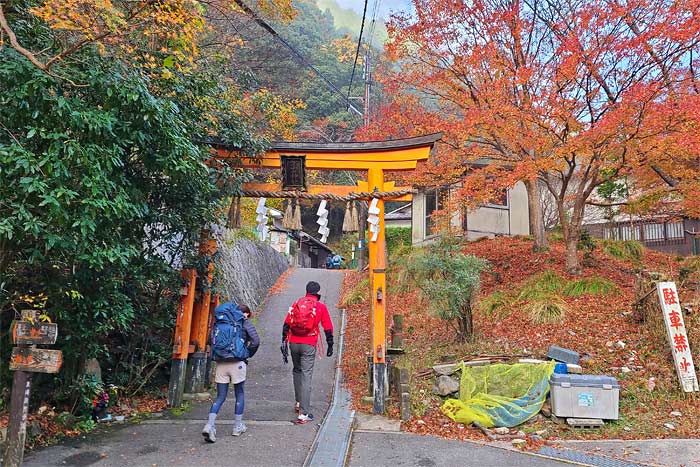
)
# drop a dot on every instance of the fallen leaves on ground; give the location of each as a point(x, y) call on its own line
point(281, 284)
point(44, 426)
point(593, 327)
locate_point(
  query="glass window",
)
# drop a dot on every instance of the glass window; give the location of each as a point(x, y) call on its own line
point(612, 233)
point(653, 232)
point(434, 200)
point(630, 232)
point(675, 230)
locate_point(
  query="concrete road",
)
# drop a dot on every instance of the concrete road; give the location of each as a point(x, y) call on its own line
point(410, 450)
point(271, 440)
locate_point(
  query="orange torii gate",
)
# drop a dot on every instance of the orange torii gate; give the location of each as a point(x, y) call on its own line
point(293, 158)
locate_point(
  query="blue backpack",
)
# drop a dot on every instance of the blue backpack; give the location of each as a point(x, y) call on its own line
point(227, 342)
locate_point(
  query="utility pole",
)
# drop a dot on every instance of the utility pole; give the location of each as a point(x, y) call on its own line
point(367, 75)
point(362, 211)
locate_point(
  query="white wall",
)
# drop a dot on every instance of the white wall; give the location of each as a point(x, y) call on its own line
point(484, 221)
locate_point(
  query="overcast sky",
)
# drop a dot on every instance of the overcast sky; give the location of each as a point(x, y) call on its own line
point(385, 6)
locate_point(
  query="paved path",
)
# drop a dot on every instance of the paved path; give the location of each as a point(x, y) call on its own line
point(409, 450)
point(666, 452)
point(271, 440)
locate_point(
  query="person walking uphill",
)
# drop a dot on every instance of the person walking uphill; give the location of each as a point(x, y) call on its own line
point(301, 331)
point(233, 341)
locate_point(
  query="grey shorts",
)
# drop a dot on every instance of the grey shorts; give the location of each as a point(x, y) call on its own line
point(230, 372)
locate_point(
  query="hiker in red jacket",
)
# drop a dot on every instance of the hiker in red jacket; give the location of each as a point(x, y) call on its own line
point(301, 331)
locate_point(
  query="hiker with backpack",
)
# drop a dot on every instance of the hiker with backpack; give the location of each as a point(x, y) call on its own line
point(233, 341)
point(300, 337)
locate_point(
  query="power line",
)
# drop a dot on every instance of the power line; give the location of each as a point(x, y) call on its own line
point(374, 19)
point(357, 52)
point(298, 54)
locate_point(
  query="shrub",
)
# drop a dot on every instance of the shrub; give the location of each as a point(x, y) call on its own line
point(396, 238)
point(589, 286)
point(449, 282)
point(401, 276)
point(630, 250)
point(542, 285)
point(547, 309)
point(496, 305)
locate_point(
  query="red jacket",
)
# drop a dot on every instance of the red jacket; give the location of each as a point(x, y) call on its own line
point(322, 317)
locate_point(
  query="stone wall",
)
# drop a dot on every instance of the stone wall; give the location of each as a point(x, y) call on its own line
point(247, 269)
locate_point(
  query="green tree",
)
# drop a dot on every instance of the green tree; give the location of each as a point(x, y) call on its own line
point(104, 187)
point(449, 282)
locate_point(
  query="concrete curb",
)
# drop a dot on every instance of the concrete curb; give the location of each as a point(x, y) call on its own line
point(332, 442)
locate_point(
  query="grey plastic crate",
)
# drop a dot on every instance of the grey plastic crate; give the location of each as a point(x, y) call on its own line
point(585, 396)
point(563, 355)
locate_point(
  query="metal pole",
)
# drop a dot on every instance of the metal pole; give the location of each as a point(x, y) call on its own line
point(368, 84)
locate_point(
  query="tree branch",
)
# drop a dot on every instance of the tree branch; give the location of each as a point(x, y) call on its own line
point(670, 181)
point(17, 46)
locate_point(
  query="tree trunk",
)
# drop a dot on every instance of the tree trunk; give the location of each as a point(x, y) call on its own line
point(466, 325)
point(571, 238)
point(536, 220)
point(571, 229)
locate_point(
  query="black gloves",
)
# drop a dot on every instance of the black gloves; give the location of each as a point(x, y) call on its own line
point(285, 352)
point(329, 342)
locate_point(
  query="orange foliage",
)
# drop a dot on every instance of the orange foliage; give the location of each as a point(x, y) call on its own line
point(571, 94)
point(155, 34)
point(592, 326)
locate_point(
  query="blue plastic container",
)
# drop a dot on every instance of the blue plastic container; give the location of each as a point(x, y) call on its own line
point(560, 368)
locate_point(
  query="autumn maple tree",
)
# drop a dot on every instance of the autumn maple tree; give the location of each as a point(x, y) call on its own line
point(565, 95)
point(132, 31)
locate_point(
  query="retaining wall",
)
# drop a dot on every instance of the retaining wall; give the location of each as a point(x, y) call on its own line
point(247, 269)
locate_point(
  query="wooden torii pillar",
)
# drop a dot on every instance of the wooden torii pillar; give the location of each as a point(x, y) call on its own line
point(375, 158)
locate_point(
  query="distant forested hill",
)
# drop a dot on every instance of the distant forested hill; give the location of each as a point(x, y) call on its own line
point(329, 48)
point(348, 21)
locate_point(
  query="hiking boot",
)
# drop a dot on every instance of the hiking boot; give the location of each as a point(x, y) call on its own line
point(239, 428)
point(209, 433)
point(304, 418)
point(296, 408)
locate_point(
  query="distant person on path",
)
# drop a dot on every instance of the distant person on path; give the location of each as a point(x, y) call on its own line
point(300, 331)
point(234, 340)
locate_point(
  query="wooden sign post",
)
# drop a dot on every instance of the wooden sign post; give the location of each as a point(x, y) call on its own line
point(675, 327)
point(25, 360)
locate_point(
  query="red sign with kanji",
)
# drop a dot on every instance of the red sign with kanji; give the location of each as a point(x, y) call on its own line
point(677, 336)
point(669, 296)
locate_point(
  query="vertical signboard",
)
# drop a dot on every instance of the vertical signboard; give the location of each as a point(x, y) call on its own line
point(677, 336)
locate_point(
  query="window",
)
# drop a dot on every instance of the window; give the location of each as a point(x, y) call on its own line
point(654, 232)
point(434, 201)
point(630, 232)
point(611, 233)
point(674, 230)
